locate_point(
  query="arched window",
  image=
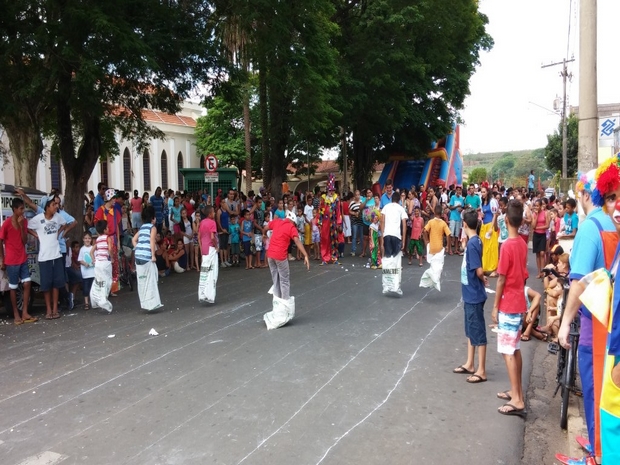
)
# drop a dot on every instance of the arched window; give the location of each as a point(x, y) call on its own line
point(56, 173)
point(127, 170)
point(179, 166)
point(146, 169)
point(104, 172)
point(202, 161)
point(164, 170)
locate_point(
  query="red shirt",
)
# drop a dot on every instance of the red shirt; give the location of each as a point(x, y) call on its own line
point(110, 216)
point(283, 232)
point(189, 207)
point(136, 204)
point(14, 248)
point(512, 264)
point(207, 227)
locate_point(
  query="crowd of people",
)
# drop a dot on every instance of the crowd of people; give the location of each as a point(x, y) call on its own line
point(491, 225)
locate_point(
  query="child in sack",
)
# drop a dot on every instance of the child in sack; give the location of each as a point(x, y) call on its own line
point(103, 268)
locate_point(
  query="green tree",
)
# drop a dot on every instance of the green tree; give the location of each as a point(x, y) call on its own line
point(98, 64)
point(553, 150)
point(405, 69)
point(222, 132)
point(477, 175)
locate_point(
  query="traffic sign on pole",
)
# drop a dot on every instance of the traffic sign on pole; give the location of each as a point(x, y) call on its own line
point(211, 163)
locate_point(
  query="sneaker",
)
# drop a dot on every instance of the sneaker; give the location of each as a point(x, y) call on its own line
point(71, 303)
point(228, 263)
point(353, 254)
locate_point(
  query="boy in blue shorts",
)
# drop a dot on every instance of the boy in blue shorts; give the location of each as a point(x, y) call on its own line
point(473, 283)
point(509, 308)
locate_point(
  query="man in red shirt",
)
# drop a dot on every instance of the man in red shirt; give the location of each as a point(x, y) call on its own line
point(283, 232)
point(13, 259)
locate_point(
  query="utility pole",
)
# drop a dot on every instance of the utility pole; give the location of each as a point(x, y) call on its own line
point(565, 75)
point(588, 98)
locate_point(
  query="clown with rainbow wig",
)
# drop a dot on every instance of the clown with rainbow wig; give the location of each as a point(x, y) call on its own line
point(606, 194)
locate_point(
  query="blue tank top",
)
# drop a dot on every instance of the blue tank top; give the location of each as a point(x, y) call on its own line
point(143, 247)
point(247, 228)
point(224, 219)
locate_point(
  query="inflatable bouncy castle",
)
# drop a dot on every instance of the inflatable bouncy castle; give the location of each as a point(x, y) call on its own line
point(443, 166)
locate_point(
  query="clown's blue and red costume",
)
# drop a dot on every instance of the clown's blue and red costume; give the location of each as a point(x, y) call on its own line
point(329, 219)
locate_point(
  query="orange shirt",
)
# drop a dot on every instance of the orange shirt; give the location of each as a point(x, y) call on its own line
point(436, 228)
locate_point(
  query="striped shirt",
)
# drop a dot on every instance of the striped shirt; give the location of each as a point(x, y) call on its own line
point(143, 247)
point(102, 253)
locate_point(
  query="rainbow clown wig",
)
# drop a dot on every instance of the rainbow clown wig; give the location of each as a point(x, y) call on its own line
point(586, 182)
point(607, 179)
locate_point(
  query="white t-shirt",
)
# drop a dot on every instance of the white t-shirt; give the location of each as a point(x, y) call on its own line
point(87, 272)
point(308, 212)
point(394, 214)
point(47, 230)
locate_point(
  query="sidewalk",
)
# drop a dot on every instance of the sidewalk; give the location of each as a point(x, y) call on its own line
point(543, 436)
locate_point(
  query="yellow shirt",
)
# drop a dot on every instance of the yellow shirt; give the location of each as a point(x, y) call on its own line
point(436, 228)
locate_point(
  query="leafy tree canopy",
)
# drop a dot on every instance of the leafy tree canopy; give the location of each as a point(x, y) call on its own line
point(553, 150)
point(477, 175)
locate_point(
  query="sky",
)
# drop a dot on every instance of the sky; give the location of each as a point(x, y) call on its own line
point(511, 101)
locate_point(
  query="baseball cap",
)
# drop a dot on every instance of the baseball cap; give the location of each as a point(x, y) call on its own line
point(109, 194)
point(291, 216)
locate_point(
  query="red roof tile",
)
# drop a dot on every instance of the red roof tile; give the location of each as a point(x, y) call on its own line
point(155, 116)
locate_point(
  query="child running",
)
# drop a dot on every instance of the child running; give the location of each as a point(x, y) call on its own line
point(473, 283)
point(144, 242)
point(509, 308)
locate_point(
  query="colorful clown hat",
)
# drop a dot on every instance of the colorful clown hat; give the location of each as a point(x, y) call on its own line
point(607, 179)
point(586, 182)
point(331, 182)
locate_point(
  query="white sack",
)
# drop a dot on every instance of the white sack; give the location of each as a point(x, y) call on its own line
point(283, 312)
point(102, 284)
point(392, 271)
point(432, 276)
point(147, 286)
point(208, 277)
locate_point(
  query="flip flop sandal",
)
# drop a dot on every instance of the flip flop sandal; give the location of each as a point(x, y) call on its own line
point(519, 412)
point(55, 316)
point(504, 395)
point(461, 370)
point(18, 322)
point(475, 379)
point(33, 319)
point(49, 317)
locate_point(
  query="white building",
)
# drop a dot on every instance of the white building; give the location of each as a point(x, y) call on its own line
point(157, 166)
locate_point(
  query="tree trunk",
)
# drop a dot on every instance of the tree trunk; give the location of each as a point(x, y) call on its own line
point(363, 162)
point(264, 124)
point(248, 147)
point(78, 168)
point(26, 146)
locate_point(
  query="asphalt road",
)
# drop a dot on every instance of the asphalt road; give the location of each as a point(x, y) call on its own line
point(355, 378)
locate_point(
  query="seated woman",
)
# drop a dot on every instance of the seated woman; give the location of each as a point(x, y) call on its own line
point(177, 258)
point(554, 292)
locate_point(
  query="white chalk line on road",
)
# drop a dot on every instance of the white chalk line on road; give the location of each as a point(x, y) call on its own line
point(224, 396)
point(389, 394)
point(94, 388)
point(328, 382)
point(129, 347)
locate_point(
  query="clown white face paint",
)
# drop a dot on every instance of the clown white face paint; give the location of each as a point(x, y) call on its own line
point(612, 207)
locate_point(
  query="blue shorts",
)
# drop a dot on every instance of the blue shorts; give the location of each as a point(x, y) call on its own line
point(73, 276)
point(17, 273)
point(246, 248)
point(475, 328)
point(52, 274)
